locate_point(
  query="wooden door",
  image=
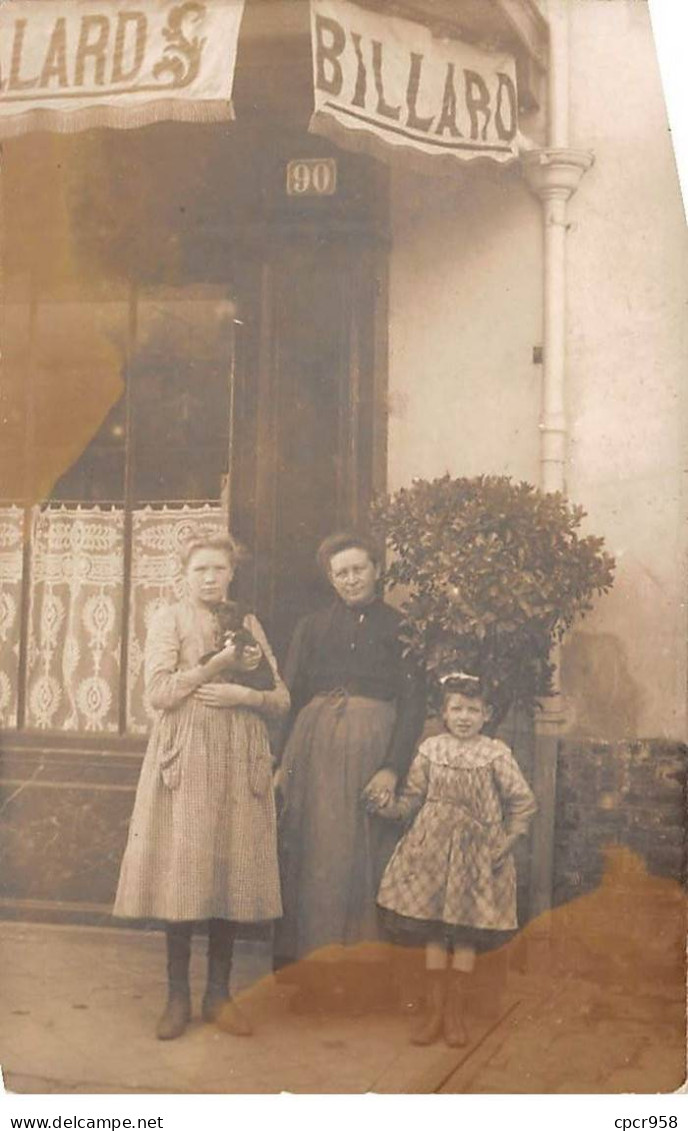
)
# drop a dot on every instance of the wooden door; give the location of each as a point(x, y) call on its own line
point(310, 445)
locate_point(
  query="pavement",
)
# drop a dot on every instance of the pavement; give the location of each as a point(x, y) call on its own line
point(79, 1007)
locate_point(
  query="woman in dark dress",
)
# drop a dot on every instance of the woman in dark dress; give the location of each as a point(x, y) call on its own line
point(359, 710)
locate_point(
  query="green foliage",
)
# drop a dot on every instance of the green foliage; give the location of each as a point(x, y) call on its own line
point(494, 573)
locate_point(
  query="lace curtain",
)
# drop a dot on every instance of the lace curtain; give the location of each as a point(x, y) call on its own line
point(75, 619)
point(11, 571)
point(157, 537)
point(74, 678)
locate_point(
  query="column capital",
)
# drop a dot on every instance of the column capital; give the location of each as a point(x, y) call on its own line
point(555, 174)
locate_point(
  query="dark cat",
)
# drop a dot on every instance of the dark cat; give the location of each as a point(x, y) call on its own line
point(231, 630)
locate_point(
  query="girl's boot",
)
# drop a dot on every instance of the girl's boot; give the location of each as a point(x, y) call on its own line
point(218, 1007)
point(177, 1012)
point(455, 1032)
point(429, 1025)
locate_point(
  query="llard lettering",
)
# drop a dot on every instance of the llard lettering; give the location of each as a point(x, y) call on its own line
point(97, 56)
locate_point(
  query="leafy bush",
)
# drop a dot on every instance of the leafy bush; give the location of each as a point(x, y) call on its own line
point(494, 573)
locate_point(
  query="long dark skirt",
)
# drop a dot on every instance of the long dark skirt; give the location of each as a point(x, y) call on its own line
point(332, 852)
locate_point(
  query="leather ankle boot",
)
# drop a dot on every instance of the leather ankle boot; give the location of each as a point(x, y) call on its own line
point(177, 1013)
point(218, 1007)
point(429, 1025)
point(455, 1032)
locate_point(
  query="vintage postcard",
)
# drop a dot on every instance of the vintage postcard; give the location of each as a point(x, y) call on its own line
point(342, 549)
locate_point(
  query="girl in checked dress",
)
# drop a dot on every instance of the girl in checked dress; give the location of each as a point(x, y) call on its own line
point(451, 880)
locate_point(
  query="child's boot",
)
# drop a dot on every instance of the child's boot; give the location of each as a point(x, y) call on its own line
point(455, 1032)
point(177, 1012)
point(429, 1025)
point(218, 1007)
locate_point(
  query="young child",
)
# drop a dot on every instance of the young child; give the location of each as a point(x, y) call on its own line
point(451, 878)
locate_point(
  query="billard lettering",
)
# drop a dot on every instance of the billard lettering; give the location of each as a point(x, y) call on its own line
point(354, 72)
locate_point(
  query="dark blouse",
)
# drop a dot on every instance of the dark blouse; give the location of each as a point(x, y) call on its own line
point(358, 650)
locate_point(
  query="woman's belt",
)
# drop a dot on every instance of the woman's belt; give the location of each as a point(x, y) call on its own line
point(338, 698)
point(357, 689)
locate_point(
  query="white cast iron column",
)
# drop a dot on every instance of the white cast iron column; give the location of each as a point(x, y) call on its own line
point(553, 174)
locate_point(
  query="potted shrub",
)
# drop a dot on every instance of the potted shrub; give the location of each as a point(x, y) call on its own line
point(494, 572)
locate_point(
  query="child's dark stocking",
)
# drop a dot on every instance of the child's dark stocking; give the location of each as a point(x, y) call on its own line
point(218, 1006)
point(409, 975)
point(460, 971)
point(429, 1025)
point(178, 1009)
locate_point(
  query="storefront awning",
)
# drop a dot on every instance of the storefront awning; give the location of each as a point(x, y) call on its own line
point(76, 64)
point(381, 81)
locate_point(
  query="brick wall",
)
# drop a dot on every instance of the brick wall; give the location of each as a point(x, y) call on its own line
point(619, 917)
point(630, 794)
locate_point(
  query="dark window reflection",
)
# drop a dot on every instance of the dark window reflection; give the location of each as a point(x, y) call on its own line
point(98, 474)
point(167, 437)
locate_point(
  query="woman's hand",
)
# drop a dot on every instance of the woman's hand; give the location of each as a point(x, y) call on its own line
point(380, 790)
point(227, 658)
point(224, 695)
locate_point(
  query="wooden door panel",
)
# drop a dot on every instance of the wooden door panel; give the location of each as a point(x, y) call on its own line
point(311, 397)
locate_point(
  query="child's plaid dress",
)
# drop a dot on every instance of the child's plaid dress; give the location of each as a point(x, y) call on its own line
point(468, 796)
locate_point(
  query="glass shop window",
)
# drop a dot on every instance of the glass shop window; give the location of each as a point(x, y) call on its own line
point(116, 417)
point(165, 438)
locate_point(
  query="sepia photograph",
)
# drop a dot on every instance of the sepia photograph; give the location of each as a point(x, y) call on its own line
point(343, 548)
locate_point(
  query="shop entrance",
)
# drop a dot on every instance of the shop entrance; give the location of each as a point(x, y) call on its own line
point(139, 406)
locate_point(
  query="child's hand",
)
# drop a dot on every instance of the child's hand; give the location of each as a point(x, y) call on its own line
point(380, 808)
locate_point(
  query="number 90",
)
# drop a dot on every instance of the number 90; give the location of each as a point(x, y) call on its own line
point(311, 178)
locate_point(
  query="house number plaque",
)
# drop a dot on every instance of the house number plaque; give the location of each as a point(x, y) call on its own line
point(312, 176)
